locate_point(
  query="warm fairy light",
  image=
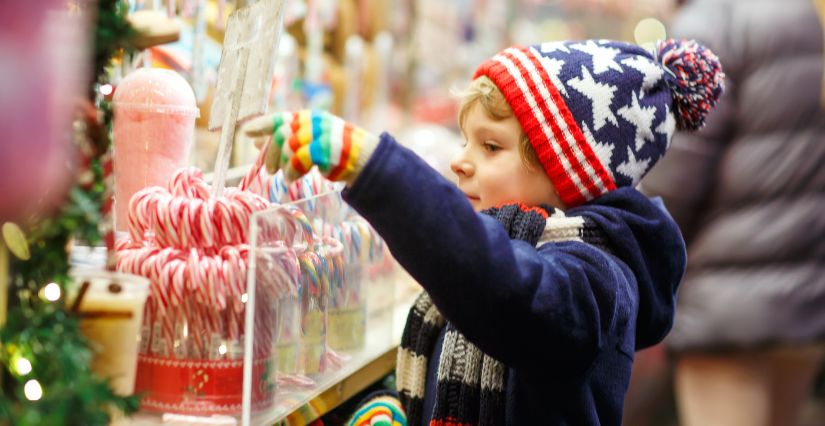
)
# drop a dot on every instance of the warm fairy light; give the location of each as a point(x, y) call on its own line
point(222, 349)
point(51, 292)
point(33, 390)
point(23, 366)
point(244, 298)
point(105, 89)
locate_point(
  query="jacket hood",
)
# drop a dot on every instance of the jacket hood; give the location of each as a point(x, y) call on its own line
point(641, 233)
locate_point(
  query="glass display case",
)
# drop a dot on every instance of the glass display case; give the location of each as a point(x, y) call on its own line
point(305, 317)
point(320, 303)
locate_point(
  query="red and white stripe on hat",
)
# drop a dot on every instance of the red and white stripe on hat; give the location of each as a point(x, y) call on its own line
point(564, 152)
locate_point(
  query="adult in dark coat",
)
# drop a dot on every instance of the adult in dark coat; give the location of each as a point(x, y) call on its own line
point(749, 195)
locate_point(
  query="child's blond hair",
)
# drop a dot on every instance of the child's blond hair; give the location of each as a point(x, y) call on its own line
point(483, 92)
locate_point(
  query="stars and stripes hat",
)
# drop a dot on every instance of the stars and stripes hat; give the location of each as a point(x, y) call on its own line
point(601, 113)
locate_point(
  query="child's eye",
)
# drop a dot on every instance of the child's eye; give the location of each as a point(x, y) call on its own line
point(489, 147)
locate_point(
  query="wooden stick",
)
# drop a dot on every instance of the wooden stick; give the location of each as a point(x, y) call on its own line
point(84, 288)
point(122, 315)
point(153, 27)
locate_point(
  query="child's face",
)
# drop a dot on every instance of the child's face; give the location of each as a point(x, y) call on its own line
point(490, 168)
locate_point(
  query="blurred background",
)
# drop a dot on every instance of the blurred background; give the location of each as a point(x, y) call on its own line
point(750, 330)
point(387, 64)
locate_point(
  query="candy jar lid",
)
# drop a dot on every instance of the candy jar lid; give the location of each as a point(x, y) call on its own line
point(156, 90)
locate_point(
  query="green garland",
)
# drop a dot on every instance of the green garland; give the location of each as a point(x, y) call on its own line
point(42, 347)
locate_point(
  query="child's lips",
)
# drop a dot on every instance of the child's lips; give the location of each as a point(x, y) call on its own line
point(472, 197)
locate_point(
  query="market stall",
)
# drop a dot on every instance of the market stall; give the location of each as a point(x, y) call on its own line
point(165, 276)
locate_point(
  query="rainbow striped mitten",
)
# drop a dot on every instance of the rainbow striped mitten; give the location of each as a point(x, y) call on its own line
point(309, 138)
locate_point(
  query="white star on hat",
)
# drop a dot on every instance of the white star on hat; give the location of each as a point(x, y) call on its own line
point(652, 71)
point(553, 67)
point(641, 117)
point(632, 168)
point(603, 57)
point(602, 150)
point(601, 96)
point(668, 125)
point(552, 46)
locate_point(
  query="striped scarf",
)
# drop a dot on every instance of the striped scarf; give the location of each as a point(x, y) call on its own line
point(470, 389)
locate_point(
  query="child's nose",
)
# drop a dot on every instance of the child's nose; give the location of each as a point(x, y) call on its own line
point(461, 167)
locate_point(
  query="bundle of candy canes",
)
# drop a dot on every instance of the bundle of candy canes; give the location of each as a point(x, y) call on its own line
point(194, 248)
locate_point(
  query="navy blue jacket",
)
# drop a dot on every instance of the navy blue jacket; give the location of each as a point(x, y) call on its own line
point(565, 318)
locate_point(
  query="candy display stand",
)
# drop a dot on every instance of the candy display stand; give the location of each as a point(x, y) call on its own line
point(237, 325)
point(190, 239)
point(192, 248)
point(242, 329)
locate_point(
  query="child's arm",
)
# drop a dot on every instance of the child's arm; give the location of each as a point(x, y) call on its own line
point(527, 309)
point(530, 309)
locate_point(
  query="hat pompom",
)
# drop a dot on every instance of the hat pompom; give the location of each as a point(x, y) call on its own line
point(696, 82)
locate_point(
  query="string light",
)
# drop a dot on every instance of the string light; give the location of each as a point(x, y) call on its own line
point(22, 366)
point(51, 292)
point(222, 349)
point(32, 390)
point(244, 298)
point(106, 89)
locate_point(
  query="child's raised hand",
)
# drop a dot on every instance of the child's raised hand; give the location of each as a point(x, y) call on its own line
point(309, 138)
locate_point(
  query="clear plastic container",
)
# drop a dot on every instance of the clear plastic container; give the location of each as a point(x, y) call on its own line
point(314, 300)
point(260, 343)
point(154, 126)
point(310, 268)
point(192, 356)
point(293, 276)
point(347, 313)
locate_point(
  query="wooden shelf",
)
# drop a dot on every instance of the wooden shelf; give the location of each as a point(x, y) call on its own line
point(153, 27)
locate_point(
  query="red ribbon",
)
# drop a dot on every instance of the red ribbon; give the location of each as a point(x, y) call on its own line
point(201, 387)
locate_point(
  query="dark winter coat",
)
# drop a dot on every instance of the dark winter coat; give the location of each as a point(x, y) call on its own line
point(565, 317)
point(749, 190)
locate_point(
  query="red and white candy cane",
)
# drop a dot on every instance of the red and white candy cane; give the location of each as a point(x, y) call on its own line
point(193, 248)
point(184, 216)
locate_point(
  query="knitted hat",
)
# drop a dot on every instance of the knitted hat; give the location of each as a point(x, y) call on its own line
point(601, 113)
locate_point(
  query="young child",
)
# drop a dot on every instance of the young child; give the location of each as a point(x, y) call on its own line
point(544, 270)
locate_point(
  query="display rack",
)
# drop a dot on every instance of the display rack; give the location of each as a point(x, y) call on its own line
point(322, 320)
point(376, 361)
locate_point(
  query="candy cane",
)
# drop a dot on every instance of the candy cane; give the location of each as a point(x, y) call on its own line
point(194, 248)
